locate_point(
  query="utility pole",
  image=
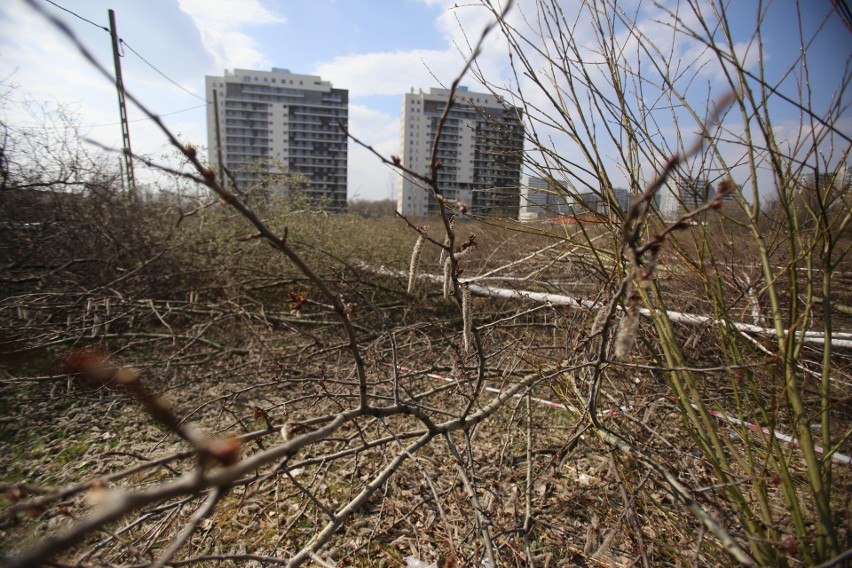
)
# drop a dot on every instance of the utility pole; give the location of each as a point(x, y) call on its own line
point(218, 137)
point(122, 109)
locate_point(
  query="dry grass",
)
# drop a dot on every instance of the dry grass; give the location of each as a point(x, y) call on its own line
point(238, 352)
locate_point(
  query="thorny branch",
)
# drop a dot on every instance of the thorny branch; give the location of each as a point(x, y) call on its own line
point(356, 413)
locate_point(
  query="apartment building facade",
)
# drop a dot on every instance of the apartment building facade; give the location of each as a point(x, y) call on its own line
point(480, 151)
point(839, 180)
point(279, 130)
point(542, 200)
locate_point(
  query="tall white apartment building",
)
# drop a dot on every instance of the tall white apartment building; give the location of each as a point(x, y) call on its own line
point(480, 151)
point(272, 122)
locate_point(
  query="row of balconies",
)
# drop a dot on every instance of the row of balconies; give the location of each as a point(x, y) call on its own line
point(321, 127)
point(306, 142)
point(315, 134)
point(247, 134)
point(247, 115)
point(305, 120)
point(313, 167)
point(243, 123)
point(316, 146)
point(247, 107)
point(242, 141)
point(320, 111)
point(276, 91)
point(240, 150)
point(269, 98)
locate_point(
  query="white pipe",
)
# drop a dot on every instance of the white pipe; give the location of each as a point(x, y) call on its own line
point(812, 337)
point(836, 456)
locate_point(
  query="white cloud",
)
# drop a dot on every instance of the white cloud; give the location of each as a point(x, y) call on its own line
point(395, 72)
point(48, 78)
point(463, 23)
point(370, 124)
point(369, 178)
point(391, 73)
point(219, 23)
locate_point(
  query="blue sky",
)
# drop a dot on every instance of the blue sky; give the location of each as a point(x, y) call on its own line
point(378, 49)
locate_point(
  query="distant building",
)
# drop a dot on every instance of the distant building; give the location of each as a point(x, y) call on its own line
point(693, 192)
point(480, 152)
point(840, 179)
point(688, 194)
point(668, 202)
point(541, 200)
point(594, 202)
point(272, 122)
point(831, 190)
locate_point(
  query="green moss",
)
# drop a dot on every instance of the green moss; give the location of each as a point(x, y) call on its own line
point(71, 452)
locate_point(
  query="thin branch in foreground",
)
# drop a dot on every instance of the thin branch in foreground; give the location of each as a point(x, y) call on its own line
point(191, 525)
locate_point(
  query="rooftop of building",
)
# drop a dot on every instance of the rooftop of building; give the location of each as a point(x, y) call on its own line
point(461, 93)
point(278, 74)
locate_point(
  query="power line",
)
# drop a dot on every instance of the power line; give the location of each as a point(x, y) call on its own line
point(169, 79)
point(76, 15)
point(128, 46)
point(87, 126)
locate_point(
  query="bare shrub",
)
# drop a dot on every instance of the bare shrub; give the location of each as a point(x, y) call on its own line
point(243, 383)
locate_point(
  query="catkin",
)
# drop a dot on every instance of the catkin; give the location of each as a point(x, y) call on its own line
point(597, 326)
point(464, 253)
point(627, 329)
point(446, 242)
point(600, 318)
point(415, 258)
point(467, 319)
point(448, 268)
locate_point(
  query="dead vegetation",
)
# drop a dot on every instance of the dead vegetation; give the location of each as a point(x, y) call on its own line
point(252, 349)
point(200, 380)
